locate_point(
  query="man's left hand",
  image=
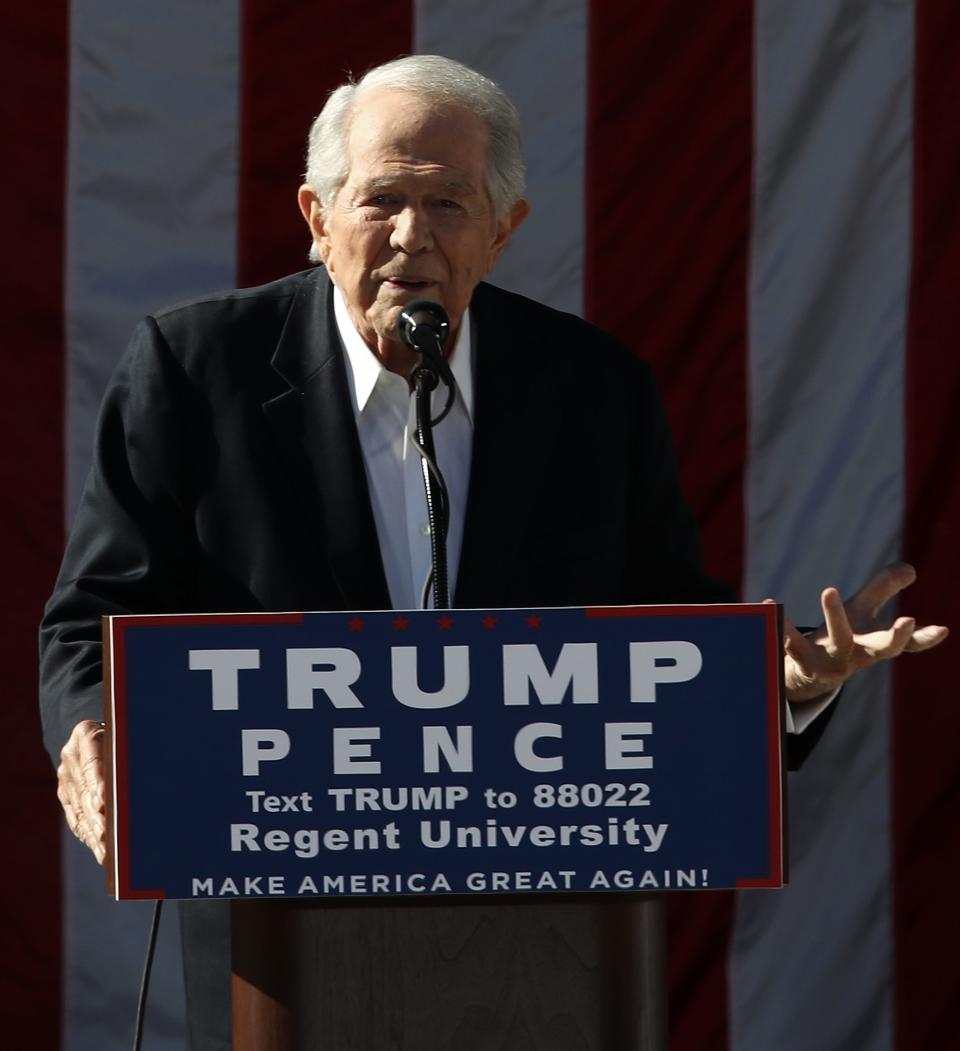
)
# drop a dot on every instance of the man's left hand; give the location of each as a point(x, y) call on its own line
point(852, 638)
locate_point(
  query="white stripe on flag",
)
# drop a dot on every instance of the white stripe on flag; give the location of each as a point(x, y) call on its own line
point(811, 967)
point(151, 203)
point(536, 50)
point(151, 191)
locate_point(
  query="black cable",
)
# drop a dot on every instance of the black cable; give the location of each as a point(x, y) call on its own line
point(145, 981)
point(435, 362)
point(451, 394)
point(425, 590)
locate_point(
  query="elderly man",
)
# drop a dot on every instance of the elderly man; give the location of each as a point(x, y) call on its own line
point(251, 452)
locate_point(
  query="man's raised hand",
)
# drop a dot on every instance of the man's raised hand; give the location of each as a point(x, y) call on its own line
point(852, 638)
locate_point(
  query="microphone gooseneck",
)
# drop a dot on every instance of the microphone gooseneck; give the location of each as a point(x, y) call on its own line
point(423, 327)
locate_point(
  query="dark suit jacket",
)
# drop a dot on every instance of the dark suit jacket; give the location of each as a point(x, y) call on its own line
point(228, 476)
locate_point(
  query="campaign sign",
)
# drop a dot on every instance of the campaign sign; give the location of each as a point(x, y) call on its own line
point(445, 752)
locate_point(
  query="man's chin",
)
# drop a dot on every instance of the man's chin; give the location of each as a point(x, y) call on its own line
point(388, 316)
point(402, 294)
point(385, 317)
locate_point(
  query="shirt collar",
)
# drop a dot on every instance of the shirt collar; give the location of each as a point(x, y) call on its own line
point(365, 367)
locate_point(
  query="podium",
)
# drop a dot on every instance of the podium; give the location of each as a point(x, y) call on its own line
point(517, 976)
point(446, 829)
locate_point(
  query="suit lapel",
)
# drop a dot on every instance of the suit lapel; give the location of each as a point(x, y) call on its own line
point(314, 424)
point(515, 421)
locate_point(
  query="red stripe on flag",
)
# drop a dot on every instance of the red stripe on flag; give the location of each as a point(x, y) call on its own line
point(294, 54)
point(670, 139)
point(669, 169)
point(33, 115)
point(925, 732)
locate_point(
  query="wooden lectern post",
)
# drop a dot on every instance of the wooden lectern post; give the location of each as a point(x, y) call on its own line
point(504, 975)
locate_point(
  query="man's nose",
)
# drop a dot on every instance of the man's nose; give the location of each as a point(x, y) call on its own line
point(411, 230)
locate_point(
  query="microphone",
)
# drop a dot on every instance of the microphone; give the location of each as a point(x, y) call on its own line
point(424, 327)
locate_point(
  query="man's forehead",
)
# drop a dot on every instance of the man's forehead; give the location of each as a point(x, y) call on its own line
point(391, 114)
point(398, 138)
point(439, 181)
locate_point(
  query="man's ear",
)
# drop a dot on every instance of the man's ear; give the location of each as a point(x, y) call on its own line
point(506, 227)
point(312, 212)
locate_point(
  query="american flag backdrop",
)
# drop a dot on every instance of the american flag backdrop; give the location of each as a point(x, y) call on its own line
point(762, 197)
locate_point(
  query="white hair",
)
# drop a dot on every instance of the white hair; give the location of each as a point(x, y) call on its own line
point(430, 77)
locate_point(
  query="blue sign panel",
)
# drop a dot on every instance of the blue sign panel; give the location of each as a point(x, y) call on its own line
point(445, 752)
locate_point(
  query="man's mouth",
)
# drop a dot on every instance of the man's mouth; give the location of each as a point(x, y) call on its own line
point(409, 284)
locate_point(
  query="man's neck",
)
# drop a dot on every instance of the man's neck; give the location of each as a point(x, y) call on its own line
point(365, 362)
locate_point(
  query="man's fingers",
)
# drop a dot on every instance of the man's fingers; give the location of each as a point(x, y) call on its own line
point(848, 643)
point(882, 587)
point(882, 645)
point(86, 824)
point(71, 814)
point(839, 632)
point(90, 758)
point(794, 641)
point(796, 644)
point(80, 785)
point(69, 793)
point(926, 638)
point(88, 772)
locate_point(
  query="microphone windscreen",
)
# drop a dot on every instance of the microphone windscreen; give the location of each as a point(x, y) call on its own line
point(423, 326)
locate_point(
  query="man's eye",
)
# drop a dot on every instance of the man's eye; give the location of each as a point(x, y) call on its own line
point(446, 203)
point(380, 200)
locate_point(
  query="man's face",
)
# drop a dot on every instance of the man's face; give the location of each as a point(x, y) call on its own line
point(414, 219)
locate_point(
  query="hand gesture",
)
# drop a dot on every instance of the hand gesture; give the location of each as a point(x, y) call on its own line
point(852, 638)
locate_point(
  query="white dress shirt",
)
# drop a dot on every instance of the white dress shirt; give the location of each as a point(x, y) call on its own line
point(385, 410)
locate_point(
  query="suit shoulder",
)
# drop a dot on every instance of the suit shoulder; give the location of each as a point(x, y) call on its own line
point(248, 318)
point(565, 339)
point(276, 293)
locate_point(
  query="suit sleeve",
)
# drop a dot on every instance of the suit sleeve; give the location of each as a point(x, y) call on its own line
point(131, 546)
